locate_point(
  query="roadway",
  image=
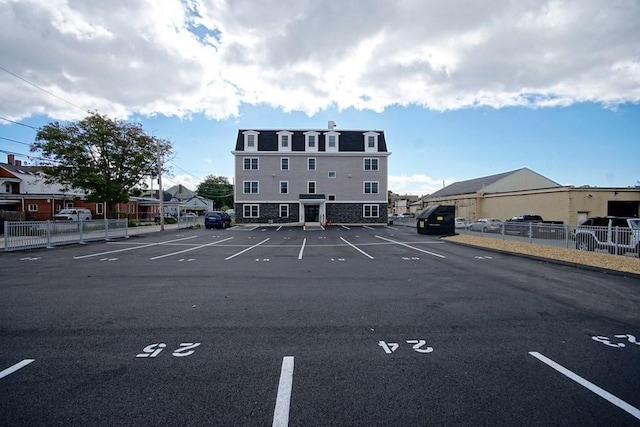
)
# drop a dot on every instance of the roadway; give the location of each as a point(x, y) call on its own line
point(349, 326)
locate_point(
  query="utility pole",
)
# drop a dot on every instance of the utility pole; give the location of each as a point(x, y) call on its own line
point(160, 193)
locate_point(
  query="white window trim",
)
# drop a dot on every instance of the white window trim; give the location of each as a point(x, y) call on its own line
point(315, 187)
point(244, 159)
point(326, 141)
point(280, 210)
point(246, 140)
point(288, 164)
point(373, 149)
point(315, 164)
point(371, 207)
point(280, 135)
point(371, 160)
point(250, 206)
point(33, 207)
point(364, 187)
point(280, 187)
point(306, 141)
point(250, 186)
point(332, 172)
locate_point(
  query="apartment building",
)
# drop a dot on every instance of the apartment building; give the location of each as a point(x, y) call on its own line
point(312, 176)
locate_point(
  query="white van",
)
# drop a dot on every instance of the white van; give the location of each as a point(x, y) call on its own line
point(73, 214)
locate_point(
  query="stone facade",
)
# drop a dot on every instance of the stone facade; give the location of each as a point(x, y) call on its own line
point(269, 214)
point(351, 213)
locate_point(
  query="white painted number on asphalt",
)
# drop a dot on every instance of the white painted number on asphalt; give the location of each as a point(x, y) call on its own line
point(608, 342)
point(413, 258)
point(29, 259)
point(108, 259)
point(188, 260)
point(153, 350)
point(339, 259)
point(263, 259)
point(483, 257)
point(390, 347)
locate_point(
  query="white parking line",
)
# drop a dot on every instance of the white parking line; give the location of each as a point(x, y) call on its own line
point(283, 401)
point(304, 242)
point(367, 227)
point(412, 247)
point(132, 248)
point(357, 248)
point(243, 251)
point(345, 227)
point(15, 367)
point(589, 385)
point(191, 249)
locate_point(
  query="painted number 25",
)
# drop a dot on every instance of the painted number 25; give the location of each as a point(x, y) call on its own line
point(390, 347)
point(606, 341)
point(185, 349)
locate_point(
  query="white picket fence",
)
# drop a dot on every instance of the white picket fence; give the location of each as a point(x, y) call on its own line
point(21, 235)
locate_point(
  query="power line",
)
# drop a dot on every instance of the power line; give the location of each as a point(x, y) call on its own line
point(42, 89)
point(28, 156)
point(18, 123)
point(13, 140)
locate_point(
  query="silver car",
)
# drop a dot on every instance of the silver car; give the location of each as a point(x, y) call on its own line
point(486, 225)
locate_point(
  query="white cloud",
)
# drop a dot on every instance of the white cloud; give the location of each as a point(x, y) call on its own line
point(416, 184)
point(179, 57)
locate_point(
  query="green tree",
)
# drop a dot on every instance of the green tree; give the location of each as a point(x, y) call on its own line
point(218, 189)
point(106, 158)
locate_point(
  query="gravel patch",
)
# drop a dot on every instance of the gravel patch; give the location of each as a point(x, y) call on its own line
point(593, 259)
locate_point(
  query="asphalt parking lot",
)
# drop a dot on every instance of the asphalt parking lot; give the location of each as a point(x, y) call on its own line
point(348, 326)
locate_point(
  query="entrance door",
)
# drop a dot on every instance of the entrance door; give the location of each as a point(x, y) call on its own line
point(311, 213)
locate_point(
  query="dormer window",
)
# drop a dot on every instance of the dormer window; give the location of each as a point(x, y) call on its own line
point(284, 140)
point(311, 141)
point(250, 140)
point(331, 141)
point(371, 141)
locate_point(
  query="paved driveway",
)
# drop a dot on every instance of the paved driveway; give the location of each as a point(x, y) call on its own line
point(347, 326)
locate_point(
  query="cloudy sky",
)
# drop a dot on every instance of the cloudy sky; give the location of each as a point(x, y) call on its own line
point(462, 89)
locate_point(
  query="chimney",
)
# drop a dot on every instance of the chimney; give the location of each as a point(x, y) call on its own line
point(11, 159)
point(18, 162)
point(331, 124)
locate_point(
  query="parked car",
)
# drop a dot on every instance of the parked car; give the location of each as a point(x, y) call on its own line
point(486, 225)
point(217, 219)
point(617, 235)
point(168, 219)
point(461, 222)
point(75, 214)
point(534, 226)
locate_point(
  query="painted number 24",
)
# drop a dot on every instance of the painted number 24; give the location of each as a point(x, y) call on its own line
point(185, 349)
point(606, 341)
point(390, 347)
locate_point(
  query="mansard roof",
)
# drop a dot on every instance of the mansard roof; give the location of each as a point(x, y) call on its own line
point(349, 140)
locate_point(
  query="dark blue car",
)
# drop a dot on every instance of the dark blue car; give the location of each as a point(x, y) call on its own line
point(217, 219)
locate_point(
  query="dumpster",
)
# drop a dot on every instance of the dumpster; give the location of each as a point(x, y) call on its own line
point(438, 220)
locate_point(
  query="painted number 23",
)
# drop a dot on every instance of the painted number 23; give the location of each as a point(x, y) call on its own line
point(185, 349)
point(606, 341)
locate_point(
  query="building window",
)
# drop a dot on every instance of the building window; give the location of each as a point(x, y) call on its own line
point(311, 164)
point(331, 197)
point(7, 188)
point(284, 140)
point(331, 174)
point(284, 211)
point(33, 207)
point(331, 141)
point(284, 187)
point(311, 187)
point(251, 211)
point(250, 163)
point(251, 140)
point(99, 208)
point(284, 163)
point(371, 141)
point(250, 187)
point(371, 164)
point(370, 187)
point(311, 140)
point(68, 205)
point(371, 211)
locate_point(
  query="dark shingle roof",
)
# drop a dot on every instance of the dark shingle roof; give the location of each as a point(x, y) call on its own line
point(472, 185)
point(349, 140)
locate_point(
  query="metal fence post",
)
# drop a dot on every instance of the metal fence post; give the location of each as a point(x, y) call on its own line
point(530, 232)
point(49, 235)
point(81, 229)
point(106, 229)
point(126, 229)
